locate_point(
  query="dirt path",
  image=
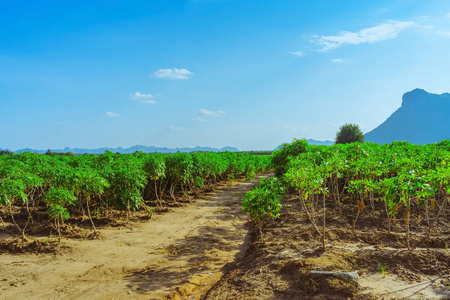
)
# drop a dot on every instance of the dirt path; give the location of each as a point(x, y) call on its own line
point(179, 254)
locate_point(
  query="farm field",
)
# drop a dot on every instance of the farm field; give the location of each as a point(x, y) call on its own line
point(177, 253)
point(100, 226)
point(281, 267)
point(378, 213)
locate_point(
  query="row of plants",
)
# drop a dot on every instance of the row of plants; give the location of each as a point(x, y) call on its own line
point(78, 184)
point(397, 178)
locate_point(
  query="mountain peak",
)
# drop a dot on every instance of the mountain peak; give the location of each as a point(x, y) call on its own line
point(417, 91)
point(422, 97)
point(415, 97)
point(421, 119)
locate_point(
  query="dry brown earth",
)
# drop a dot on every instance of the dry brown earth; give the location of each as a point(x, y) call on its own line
point(281, 267)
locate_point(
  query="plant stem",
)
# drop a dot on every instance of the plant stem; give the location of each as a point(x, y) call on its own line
point(307, 213)
point(324, 218)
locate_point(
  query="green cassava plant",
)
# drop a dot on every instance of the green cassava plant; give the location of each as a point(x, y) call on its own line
point(57, 199)
point(264, 201)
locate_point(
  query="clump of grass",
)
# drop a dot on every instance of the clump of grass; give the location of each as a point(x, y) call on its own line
point(238, 194)
point(170, 249)
point(382, 268)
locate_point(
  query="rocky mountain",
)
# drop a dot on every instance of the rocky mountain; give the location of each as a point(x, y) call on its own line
point(132, 149)
point(423, 118)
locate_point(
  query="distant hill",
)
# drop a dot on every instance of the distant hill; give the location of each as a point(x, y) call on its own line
point(132, 149)
point(314, 142)
point(423, 118)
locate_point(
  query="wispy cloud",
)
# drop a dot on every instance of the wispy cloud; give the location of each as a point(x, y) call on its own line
point(211, 113)
point(203, 115)
point(175, 128)
point(290, 127)
point(144, 98)
point(138, 95)
point(447, 15)
point(385, 31)
point(149, 101)
point(297, 53)
point(111, 114)
point(173, 73)
point(337, 60)
point(199, 119)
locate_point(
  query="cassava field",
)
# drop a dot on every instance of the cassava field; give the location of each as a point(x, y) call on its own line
point(354, 221)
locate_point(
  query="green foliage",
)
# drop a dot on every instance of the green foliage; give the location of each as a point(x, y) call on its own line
point(11, 190)
point(155, 166)
point(281, 156)
point(5, 152)
point(382, 268)
point(401, 175)
point(349, 133)
point(56, 200)
point(264, 201)
point(112, 180)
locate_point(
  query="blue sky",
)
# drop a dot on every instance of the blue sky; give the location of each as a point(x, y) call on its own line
point(248, 74)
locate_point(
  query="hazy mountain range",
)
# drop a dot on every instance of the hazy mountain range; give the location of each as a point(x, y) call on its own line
point(132, 149)
point(423, 118)
point(316, 142)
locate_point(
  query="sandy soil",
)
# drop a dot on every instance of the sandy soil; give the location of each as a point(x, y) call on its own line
point(177, 255)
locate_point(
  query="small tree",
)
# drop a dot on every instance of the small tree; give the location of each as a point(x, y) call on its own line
point(264, 201)
point(349, 133)
point(56, 199)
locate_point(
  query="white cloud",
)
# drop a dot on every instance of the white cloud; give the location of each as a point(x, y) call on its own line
point(447, 15)
point(173, 73)
point(111, 114)
point(290, 127)
point(145, 98)
point(199, 119)
point(385, 31)
point(210, 113)
point(297, 53)
point(337, 60)
point(138, 95)
point(175, 128)
point(204, 115)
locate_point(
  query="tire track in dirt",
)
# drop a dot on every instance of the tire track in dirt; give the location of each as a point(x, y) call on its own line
point(175, 255)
